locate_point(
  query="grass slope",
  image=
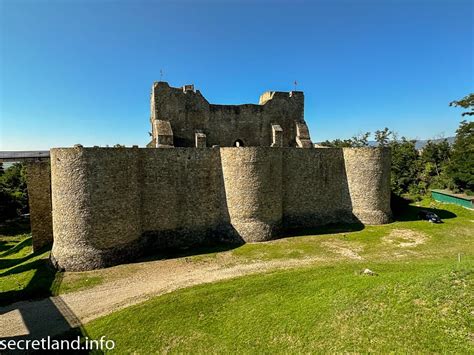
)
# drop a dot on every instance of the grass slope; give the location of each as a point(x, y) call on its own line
point(421, 300)
point(421, 306)
point(28, 275)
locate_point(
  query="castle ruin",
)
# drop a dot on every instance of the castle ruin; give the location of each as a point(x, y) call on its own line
point(211, 174)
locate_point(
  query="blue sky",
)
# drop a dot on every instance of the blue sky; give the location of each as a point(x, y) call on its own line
point(77, 71)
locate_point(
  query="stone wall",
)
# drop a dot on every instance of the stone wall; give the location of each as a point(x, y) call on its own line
point(112, 204)
point(38, 180)
point(189, 112)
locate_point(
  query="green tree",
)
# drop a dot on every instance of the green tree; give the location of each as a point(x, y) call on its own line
point(382, 137)
point(461, 167)
point(360, 140)
point(435, 158)
point(467, 103)
point(405, 166)
point(13, 192)
point(337, 143)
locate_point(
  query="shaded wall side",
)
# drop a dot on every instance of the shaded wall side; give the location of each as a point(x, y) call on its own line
point(368, 176)
point(253, 189)
point(38, 180)
point(183, 197)
point(96, 207)
point(187, 112)
point(253, 123)
point(315, 188)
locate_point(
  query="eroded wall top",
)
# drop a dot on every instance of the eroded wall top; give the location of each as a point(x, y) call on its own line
point(188, 120)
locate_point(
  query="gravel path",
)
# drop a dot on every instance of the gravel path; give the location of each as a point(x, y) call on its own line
point(54, 315)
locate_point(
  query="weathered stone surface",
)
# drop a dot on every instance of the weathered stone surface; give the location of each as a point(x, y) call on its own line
point(200, 140)
point(163, 133)
point(111, 204)
point(189, 112)
point(277, 135)
point(302, 136)
point(38, 180)
point(368, 178)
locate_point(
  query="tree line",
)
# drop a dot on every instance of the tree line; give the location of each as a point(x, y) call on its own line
point(13, 192)
point(438, 165)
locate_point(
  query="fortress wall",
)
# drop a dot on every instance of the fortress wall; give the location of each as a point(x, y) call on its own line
point(189, 112)
point(183, 197)
point(315, 188)
point(253, 188)
point(368, 176)
point(112, 204)
point(38, 180)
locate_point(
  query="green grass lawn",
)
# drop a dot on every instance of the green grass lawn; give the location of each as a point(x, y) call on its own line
point(421, 300)
point(28, 275)
point(410, 306)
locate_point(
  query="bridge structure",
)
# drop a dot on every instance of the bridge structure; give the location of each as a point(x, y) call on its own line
point(38, 181)
point(24, 156)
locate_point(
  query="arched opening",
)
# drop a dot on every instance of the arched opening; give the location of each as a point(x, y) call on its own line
point(238, 143)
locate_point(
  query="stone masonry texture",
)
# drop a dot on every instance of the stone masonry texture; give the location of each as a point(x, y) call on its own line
point(113, 204)
point(189, 112)
point(38, 180)
point(193, 186)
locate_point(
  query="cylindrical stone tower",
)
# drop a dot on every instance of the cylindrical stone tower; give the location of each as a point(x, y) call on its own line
point(253, 188)
point(96, 207)
point(368, 178)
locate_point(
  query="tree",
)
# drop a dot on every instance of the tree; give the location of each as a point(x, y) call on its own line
point(461, 167)
point(382, 137)
point(467, 103)
point(360, 140)
point(337, 143)
point(405, 166)
point(435, 158)
point(13, 192)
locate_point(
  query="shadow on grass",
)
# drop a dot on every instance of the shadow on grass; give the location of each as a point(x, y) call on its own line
point(35, 315)
point(322, 230)
point(174, 253)
point(27, 242)
point(8, 263)
point(404, 211)
point(40, 285)
point(14, 227)
point(411, 213)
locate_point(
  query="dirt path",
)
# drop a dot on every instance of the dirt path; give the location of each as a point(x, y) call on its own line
point(54, 315)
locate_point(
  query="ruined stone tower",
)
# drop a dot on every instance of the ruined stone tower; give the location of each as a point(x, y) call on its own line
point(182, 117)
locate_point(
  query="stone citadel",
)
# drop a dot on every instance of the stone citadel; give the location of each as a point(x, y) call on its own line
point(211, 174)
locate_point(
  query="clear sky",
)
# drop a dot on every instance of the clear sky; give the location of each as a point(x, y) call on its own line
point(77, 71)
